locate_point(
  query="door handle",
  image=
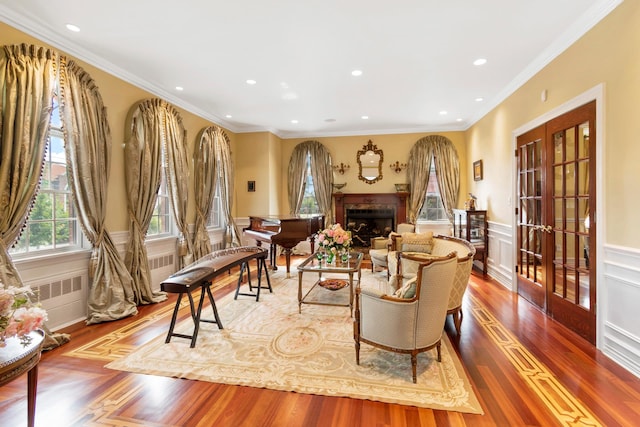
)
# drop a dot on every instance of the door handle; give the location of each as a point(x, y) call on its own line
point(545, 228)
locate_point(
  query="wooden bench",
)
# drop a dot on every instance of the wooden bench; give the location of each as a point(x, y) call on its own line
point(199, 275)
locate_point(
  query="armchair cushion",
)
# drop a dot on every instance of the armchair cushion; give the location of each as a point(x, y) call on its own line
point(417, 242)
point(408, 290)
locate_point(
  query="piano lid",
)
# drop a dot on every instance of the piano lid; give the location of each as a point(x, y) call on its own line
point(276, 218)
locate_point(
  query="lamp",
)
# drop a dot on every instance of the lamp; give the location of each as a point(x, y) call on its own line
point(341, 168)
point(397, 166)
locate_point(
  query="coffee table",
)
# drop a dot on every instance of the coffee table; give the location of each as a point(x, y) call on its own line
point(313, 265)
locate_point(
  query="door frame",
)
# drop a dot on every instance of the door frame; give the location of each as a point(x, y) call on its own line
point(596, 93)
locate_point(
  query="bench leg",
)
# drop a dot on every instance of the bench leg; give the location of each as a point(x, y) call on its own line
point(206, 288)
point(262, 264)
point(173, 318)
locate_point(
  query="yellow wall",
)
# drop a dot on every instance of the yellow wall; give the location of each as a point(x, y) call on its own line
point(606, 54)
point(119, 96)
point(344, 149)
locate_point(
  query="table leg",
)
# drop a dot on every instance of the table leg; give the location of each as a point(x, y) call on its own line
point(351, 293)
point(299, 291)
point(32, 378)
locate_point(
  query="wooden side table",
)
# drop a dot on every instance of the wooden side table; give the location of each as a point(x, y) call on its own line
point(16, 359)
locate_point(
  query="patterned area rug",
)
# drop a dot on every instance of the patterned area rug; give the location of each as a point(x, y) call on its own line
point(269, 344)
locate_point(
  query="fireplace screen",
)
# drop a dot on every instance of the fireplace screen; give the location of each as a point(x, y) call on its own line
point(365, 224)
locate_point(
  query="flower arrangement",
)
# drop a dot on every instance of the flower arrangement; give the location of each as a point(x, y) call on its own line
point(334, 239)
point(18, 314)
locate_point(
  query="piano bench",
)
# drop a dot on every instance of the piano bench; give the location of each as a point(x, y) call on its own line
point(184, 288)
point(262, 265)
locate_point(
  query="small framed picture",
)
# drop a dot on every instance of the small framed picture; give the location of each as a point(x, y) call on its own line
point(477, 170)
point(251, 186)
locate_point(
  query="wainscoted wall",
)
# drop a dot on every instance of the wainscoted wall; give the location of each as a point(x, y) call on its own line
point(62, 283)
point(620, 293)
point(62, 280)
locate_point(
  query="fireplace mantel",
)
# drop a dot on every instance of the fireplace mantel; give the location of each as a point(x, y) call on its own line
point(399, 200)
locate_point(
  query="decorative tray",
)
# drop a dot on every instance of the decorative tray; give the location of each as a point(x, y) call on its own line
point(333, 284)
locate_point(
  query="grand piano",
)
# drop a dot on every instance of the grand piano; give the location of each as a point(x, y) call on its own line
point(283, 230)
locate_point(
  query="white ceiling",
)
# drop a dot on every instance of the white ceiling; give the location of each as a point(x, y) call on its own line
point(416, 56)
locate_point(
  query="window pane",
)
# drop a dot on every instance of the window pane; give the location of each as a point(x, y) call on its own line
point(52, 222)
point(309, 202)
point(433, 209)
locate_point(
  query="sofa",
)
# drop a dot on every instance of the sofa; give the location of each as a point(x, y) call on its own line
point(423, 246)
point(379, 248)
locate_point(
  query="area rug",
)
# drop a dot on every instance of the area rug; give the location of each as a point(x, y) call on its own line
point(269, 344)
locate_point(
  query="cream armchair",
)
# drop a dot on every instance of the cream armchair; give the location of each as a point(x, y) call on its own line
point(403, 270)
point(411, 322)
point(380, 247)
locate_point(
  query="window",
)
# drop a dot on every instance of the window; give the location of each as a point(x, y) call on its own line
point(52, 222)
point(215, 216)
point(433, 209)
point(161, 219)
point(309, 202)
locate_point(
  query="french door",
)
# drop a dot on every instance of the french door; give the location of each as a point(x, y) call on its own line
point(556, 219)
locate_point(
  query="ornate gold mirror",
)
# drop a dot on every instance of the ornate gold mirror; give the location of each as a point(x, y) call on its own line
point(370, 163)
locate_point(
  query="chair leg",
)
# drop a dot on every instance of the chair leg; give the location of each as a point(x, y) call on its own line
point(439, 353)
point(414, 366)
point(457, 319)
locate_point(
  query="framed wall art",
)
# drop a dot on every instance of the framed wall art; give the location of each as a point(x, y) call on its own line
point(477, 170)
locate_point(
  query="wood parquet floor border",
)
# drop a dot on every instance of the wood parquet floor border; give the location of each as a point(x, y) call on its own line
point(561, 403)
point(106, 410)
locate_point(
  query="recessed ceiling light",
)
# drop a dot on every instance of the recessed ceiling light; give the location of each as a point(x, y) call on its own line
point(179, 88)
point(73, 28)
point(251, 82)
point(294, 121)
point(329, 120)
point(365, 117)
point(458, 119)
point(356, 73)
point(479, 99)
point(443, 113)
point(228, 116)
point(480, 61)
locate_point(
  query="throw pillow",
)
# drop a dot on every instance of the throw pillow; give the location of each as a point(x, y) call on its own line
point(408, 291)
point(417, 242)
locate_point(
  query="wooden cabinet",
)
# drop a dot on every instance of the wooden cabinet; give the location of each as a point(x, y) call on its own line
point(472, 226)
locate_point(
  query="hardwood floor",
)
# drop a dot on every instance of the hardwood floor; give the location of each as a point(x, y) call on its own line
point(526, 370)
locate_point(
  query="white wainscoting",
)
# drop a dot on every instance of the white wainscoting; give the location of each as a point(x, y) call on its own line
point(62, 284)
point(618, 294)
point(619, 306)
point(62, 280)
point(500, 259)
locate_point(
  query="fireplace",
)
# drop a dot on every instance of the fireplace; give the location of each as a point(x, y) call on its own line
point(370, 215)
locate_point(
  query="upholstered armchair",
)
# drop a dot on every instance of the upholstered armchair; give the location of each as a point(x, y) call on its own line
point(410, 321)
point(380, 246)
point(403, 265)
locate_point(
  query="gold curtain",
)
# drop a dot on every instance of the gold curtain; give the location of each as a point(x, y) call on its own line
point(88, 148)
point(420, 158)
point(205, 180)
point(442, 152)
point(226, 176)
point(27, 79)
point(142, 175)
point(322, 174)
point(448, 173)
point(296, 177)
point(174, 143)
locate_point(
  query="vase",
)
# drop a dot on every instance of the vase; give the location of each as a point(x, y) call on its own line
point(344, 256)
